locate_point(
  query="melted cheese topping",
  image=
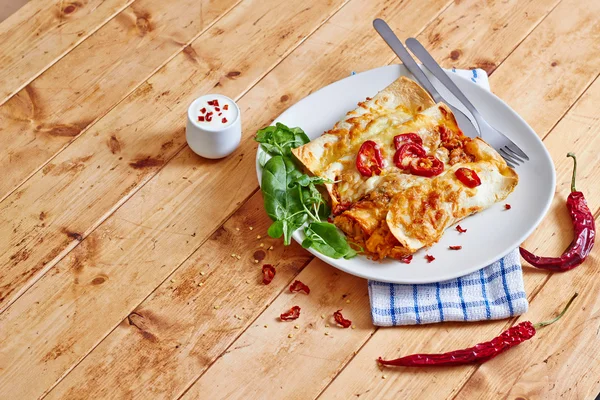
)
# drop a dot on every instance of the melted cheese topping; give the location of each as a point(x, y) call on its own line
point(395, 213)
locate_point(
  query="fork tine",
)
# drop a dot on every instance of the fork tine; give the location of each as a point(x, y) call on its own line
point(512, 154)
point(509, 160)
point(517, 151)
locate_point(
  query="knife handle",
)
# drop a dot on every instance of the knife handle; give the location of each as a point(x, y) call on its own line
point(396, 45)
point(429, 62)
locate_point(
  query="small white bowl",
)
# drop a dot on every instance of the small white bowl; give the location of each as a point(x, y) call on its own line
point(210, 140)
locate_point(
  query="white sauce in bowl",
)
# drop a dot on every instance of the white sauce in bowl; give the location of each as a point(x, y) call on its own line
point(213, 112)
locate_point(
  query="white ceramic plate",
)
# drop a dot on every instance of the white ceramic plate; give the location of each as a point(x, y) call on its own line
point(491, 233)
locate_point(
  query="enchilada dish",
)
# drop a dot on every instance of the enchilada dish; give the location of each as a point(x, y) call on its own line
point(399, 172)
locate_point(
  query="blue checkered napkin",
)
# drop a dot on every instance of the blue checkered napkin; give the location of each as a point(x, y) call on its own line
point(494, 292)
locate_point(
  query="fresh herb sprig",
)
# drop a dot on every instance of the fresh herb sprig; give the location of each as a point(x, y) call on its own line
point(292, 198)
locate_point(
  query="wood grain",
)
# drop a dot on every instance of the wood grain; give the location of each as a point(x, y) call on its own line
point(126, 248)
point(534, 374)
point(158, 349)
point(54, 109)
point(300, 366)
point(42, 31)
point(203, 183)
point(69, 197)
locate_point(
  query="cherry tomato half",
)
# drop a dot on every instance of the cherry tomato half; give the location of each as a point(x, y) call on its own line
point(468, 177)
point(426, 166)
point(407, 137)
point(406, 153)
point(369, 160)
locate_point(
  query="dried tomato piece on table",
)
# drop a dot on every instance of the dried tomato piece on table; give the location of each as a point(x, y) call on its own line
point(339, 318)
point(291, 314)
point(268, 273)
point(298, 286)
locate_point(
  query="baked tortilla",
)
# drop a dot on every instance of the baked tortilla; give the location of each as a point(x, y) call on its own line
point(334, 153)
point(395, 213)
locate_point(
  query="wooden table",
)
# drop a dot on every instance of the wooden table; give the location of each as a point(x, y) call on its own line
point(128, 262)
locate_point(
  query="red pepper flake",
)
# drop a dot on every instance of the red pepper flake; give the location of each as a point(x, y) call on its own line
point(460, 229)
point(203, 110)
point(298, 286)
point(455, 247)
point(507, 206)
point(339, 318)
point(224, 120)
point(209, 116)
point(220, 114)
point(429, 258)
point(291, 314)
point(200, 118)
point(217, 109)
point(226, 107)
point(268, 273)
point(406, 259)
point(214, 103)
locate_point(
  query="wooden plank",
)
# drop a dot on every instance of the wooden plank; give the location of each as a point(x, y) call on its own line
point(527, 371)
point(362, 376)
point(177, 330)
point(130, 237)
point(319, 43)
point(69, 197)
point(554, 65)
point(142, 235)
point(53, 110)
point(472, 43)
point(579, 128)
point(42, 31)
point(297, 367)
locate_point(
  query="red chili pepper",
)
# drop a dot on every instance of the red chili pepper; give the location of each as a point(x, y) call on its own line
point(224, 120)
point(426, 166)
point(507, 206)
point(468, 177)
point(407, 137)
point(585, 233)
point(203, 110)
point(455, 247)
point(481, 352)
point(214, 103)
point(200, 118)
point(226, 107)
point(298, 286)
point(429, 258)
point(268, 273)
point(407, 153)
point(369, 160)
point(460, 229)
point(291, 314)
point(217, 109)
point(209, 116)
point(339, 318)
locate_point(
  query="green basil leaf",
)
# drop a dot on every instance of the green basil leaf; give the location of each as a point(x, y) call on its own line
point(262, 158)
point(328, 240)
point(276, 229)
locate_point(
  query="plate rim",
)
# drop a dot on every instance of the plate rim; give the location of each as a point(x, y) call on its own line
point(297, 235)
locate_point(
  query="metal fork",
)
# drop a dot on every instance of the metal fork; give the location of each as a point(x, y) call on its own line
point(396, 45)
point(512, 154)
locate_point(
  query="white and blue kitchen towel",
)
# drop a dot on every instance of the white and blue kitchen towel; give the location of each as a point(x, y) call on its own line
point(494, 292)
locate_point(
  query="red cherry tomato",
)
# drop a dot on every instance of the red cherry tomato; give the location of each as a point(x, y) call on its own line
point(369, 160)
point(426, 166)
point(468, 177)
point(406, 153)
point(407, 137)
